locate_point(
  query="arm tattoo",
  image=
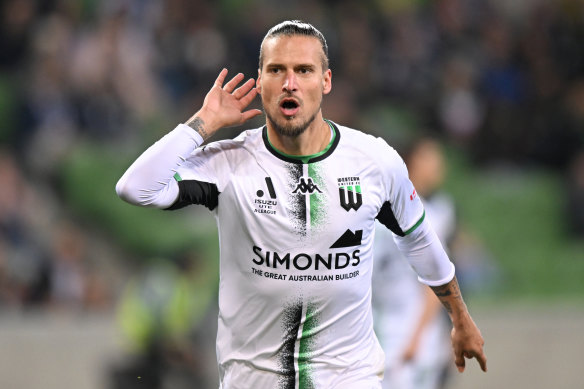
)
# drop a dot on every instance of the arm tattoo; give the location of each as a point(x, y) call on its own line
point(446, 305)
point(447, 292)
point(441, 291)
point(198, 124)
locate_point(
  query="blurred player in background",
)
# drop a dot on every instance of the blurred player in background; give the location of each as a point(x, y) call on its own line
point(409, 321)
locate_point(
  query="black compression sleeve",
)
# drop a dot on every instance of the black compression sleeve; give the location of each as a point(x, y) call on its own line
point(196, 192)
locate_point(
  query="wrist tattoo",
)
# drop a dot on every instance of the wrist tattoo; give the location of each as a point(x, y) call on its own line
point(447, 292)
point(198, 125)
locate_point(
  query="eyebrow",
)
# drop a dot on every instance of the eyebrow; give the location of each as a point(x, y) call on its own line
point(297, 66)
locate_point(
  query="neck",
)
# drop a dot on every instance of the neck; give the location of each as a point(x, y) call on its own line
point(313, 140)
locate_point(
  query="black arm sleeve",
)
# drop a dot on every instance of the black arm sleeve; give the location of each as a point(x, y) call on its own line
point(196, 192)
point(387, 218)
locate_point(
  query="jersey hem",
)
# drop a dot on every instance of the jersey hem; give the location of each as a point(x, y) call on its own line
point(197, 138)
point(442, 281)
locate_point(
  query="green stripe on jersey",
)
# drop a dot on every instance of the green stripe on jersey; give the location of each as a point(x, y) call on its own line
point(177, 177)
point(416, 225)
point(306, 348)
point(317, 200)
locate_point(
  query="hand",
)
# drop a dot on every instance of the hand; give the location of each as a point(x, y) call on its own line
point(409, 353)
point(468, 342)
point(224, 105)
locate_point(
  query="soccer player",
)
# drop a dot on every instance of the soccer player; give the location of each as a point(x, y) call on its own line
point(295, 203)
point(411, 328)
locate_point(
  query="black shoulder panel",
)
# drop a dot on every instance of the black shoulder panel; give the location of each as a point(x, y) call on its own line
point(387, 218)
point(196, 192)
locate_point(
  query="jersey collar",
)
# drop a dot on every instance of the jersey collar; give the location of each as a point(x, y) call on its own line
point(300, 159)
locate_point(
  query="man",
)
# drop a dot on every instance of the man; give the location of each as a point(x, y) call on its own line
point(295, 203)
point(411, 328)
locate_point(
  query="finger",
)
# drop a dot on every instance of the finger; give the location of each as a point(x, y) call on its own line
point(459, 362)
point(250, 114)
point(221, 78)
point(482, 359)
point(231, 84)
point(242, 90)
point(248, 98)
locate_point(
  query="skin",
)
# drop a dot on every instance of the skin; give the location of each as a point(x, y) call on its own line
point(467, 341)
point(292, 69)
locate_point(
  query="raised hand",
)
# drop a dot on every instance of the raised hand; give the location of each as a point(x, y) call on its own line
point(224, 105)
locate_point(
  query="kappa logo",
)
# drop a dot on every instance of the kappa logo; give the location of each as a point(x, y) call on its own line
point(350, 193)
point(306, 186)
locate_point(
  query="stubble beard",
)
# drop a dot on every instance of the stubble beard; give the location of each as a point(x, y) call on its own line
point(288, 129)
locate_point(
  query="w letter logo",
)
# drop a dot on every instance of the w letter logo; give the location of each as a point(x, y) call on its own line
point(351, 199)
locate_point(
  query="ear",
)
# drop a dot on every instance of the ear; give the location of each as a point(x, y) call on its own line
point(327, 82)
point(258, 82)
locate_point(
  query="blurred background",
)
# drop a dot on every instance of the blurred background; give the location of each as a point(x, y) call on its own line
point(95, 293)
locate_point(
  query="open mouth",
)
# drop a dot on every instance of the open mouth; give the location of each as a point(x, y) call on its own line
point(289, 107)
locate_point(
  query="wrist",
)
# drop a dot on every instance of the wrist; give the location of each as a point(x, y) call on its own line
point(461, 320)
point(201, 124)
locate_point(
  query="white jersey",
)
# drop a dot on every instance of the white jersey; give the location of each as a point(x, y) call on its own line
point(296, 250)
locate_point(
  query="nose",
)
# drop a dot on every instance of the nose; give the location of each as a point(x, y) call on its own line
point(289, 82)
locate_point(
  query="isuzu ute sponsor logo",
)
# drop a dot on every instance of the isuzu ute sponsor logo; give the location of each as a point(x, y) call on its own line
point(264, 205)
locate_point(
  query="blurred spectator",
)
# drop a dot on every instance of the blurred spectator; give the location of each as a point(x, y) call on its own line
point(17, 18)
point(163, 313)
point(41, 265)
point(459, 109)
point(575, 196)
point(23, 263)
point(73, 284)
point(493, 80)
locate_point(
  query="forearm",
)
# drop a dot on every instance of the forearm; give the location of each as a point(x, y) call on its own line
point(149, 180)
point(426, 256)
point(451, 298)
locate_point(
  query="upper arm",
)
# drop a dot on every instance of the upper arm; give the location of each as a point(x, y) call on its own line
point(402, 210)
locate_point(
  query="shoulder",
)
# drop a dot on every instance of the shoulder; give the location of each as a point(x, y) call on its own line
point(231, 151)
point(363, 145)
point(223, 156)
point(246, 140)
